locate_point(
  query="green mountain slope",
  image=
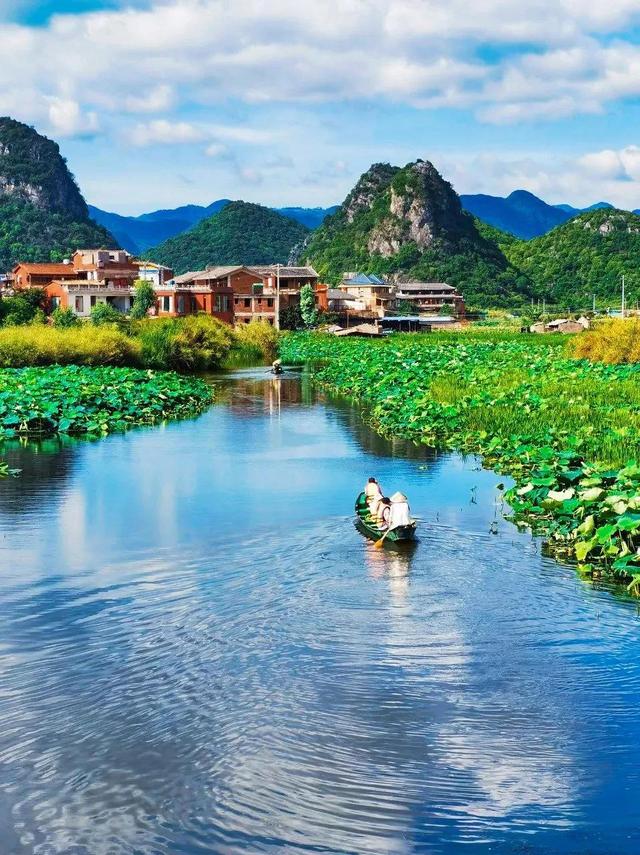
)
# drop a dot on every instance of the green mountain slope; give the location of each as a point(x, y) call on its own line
point(586, 256)
point(241, 233)
point(43, 216)
point(408, 222)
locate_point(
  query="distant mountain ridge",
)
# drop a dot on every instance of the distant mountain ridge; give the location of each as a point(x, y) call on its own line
point(521, 213)
point(239, 233)
point(138, 234)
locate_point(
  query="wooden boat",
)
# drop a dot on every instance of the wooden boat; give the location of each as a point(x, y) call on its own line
point(369, 528)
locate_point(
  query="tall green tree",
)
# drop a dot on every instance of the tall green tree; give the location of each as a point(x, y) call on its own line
point(308, 306)
point(145, 298)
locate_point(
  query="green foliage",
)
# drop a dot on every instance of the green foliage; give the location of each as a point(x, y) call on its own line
point(63, 318)
point(585, 256)
point(59, 222)
point(80, 344)
point(291, 318)
point(257, 340)
point(241, 233)
point(561, 427)
point(308, 306)
point(194, 343)
point(21, 308)
point(80, 400)
point(145, 298)
point(104, 313)
point(29, 233)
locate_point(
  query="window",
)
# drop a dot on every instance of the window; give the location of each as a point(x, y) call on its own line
point(221, 303)
point(270, 302)
point(93, 300)
point(55, 302)
point(79, 305)
point(247, 302)
point(166, 304)
point(180, 304)
point(257, 287)
point(194, 304)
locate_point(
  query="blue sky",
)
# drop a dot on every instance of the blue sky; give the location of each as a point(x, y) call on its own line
point(158, 103)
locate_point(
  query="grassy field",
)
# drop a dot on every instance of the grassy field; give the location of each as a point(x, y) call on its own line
point(568, 430)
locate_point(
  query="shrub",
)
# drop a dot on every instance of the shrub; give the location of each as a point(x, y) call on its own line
point(308, 306)
point(64, 317)
point(257, 340)
point(612, 341)
point(21, 308)
point(104, 313)
point(80, 345)
point(195, 343)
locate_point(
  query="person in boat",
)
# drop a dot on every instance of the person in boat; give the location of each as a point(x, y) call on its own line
point(384, 513)
point(399, 514)
point(276, 366)
point(373, 494)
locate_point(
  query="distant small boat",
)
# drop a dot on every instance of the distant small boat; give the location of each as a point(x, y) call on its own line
point(366, 526)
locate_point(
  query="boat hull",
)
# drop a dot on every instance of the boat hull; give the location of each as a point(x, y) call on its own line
point(402, 534)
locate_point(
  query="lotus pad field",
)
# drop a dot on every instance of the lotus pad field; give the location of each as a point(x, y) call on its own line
point(80, 400)
point(568, 431)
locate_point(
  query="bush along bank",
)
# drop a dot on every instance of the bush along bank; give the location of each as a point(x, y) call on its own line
point(94, 401)
point(567, 431)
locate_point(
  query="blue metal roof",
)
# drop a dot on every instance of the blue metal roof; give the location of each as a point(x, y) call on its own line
point(365, 279)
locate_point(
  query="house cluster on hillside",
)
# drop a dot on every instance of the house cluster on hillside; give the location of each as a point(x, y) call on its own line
point(232, 293)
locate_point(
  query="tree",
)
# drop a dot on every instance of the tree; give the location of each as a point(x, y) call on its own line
point(291, 318)
point(145, 298)
point(308, 306)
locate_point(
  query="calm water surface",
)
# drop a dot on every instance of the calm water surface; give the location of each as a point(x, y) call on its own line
point(200, 654)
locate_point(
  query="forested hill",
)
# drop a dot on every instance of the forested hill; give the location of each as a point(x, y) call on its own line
point(241, 233)
point(587, 255)
point(43, 215)
point(408, 222)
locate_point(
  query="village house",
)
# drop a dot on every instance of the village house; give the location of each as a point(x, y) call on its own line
point(210, 291)
point(373, 293)
point(259, 300)
point(157, 274)
point(91, 276)
point(431, 297)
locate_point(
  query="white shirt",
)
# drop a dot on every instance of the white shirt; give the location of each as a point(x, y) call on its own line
point(400, 514)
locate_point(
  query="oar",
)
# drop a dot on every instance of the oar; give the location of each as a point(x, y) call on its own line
point(378, 543)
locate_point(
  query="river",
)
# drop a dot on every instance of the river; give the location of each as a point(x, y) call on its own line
point(200, 654)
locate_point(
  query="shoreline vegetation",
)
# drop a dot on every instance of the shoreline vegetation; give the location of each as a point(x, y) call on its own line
point(567, 430)
point(94, 401)
point(194, 343)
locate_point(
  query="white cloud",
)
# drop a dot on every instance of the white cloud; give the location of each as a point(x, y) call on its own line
point(420, 52)
point(67, 119)
point(163, 132)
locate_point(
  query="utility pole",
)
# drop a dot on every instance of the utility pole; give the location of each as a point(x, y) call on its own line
point(594, 304)
point(622, 307)
point(277, 317)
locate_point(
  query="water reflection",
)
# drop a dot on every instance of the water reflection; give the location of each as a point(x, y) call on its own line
point(200, 653)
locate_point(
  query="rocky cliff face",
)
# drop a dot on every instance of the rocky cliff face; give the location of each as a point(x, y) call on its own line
point(409, 223)
point(32, 170)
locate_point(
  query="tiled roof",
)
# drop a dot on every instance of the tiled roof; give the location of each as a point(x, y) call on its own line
point(46, 268)
point(285, 272)
point(365, 279)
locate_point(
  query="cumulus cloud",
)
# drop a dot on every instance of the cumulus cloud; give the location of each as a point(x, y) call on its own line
point(556, 57)
point(164, 132)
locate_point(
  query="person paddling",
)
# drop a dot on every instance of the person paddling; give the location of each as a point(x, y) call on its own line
point(400, 514)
